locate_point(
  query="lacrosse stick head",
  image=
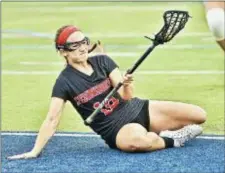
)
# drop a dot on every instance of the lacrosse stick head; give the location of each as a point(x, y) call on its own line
point(174, 22)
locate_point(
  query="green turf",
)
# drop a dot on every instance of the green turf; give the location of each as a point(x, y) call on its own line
point(24, 108)
point(25, 98)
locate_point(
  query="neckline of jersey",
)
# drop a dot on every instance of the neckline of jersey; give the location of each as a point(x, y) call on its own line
point(80, 72)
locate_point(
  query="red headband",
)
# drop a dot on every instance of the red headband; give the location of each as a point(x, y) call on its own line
point(65, 34)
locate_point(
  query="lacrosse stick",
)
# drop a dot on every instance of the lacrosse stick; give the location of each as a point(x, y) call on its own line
point(174, 21)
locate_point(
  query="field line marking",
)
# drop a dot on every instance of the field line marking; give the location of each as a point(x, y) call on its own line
point(21, 32)
point(123, 8)
point(57, 134)
point(144, 72)
point(89, 135)
point(113, 47)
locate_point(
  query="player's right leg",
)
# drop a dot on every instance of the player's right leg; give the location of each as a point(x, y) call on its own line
point(134, 137)
point(215, 18)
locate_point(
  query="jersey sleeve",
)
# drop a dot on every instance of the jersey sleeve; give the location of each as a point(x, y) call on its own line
point(59, 90)
point(109, 64)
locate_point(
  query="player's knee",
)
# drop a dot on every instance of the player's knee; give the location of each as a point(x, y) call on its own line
point(135, 143)
point(201, 115)
point(154, 137)
point(142, 142)
point(215, 18)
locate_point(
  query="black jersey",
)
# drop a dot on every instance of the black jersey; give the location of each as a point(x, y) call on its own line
point(86, 92)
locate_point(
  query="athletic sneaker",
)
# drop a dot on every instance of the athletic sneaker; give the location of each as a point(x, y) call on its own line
point(182, 135)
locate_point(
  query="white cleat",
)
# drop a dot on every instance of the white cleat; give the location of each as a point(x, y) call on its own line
point(182, 135)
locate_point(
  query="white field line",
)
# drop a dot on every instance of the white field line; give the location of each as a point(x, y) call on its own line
point(116, 47)
point(168, 47)
point(10, 72)
point(88, 135)
point(41, 63)
point(11, 33)
point(57, 134)
point(212, 137)
point(126, 8)
point(140, 35)
point(147, 72)
point(107, 8)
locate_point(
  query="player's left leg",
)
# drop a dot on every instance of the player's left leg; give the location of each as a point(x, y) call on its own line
point(168, 115)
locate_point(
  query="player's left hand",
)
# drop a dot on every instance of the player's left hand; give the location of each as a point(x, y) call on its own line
point(127, 80)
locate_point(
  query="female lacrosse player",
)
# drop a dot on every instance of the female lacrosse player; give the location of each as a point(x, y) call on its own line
point(215, 18)
point(125, 122)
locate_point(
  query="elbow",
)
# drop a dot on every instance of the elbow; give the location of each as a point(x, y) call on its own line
point(52, 122)
point(127, 93)
point(127, 98)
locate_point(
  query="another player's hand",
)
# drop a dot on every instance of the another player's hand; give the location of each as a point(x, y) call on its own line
point(127, 80)
point(28, 155)
point(96, 48)
point(100, 47)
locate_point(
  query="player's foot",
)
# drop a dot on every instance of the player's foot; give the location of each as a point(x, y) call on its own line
point(182, 135)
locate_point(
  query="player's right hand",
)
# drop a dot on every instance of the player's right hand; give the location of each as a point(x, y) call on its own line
point(28, 155)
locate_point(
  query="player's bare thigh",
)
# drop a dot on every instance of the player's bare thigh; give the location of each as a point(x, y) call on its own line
point(168, 115)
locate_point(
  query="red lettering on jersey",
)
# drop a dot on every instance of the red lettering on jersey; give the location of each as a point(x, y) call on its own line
point(93, 92)
point(109, 106)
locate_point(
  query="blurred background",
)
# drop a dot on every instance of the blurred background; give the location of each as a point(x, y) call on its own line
point(189, 69)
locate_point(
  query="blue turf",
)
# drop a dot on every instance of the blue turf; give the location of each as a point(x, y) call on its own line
point(90, 154)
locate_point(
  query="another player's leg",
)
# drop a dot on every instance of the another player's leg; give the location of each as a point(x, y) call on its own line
point(215, 18)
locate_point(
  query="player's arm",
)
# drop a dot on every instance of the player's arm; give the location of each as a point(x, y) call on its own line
point(47, 129)
point(126, 91)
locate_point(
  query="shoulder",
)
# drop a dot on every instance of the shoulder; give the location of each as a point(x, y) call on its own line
point(62, 76)
point(65, 73)
point(59, 81)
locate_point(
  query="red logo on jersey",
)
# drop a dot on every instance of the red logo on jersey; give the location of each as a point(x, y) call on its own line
point(109, 106)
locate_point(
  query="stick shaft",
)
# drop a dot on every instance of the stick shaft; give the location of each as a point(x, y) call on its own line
point(141, 59)
point(90, 119)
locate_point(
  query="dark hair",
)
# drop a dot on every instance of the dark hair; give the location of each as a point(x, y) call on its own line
point(58, 32)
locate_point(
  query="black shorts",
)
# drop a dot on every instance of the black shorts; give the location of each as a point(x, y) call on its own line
point(142, 119)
